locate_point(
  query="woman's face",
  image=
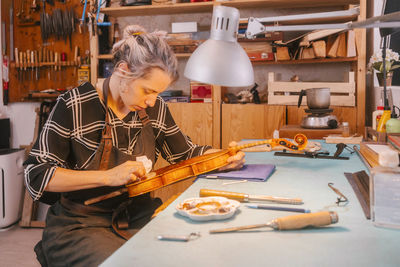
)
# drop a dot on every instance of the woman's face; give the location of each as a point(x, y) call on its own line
point(142, 93)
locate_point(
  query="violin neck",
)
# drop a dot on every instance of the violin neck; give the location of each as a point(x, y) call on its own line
point(257, 143)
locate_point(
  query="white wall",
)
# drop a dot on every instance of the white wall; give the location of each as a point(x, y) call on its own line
point(22, 117)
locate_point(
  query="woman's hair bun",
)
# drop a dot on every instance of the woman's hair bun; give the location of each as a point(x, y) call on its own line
point(133, 30)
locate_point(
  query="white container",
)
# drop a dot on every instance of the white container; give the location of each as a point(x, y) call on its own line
point(11, 185)
point(375, 115)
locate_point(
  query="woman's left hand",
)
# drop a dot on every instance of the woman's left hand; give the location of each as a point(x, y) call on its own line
point(236, 161)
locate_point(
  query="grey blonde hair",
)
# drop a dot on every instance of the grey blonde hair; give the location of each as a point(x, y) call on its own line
point(142, 51)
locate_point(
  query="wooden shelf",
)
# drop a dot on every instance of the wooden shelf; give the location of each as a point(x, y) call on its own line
point(105, 56)
point(270, 62)
point(307, 61)
point(200, 7)
point(178, 55)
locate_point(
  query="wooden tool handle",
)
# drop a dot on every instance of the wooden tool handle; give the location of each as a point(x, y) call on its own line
point(231, 195)
point(304, 220)
point(16, 56)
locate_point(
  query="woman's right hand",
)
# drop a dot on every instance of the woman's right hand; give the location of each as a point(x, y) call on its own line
point(127, 172)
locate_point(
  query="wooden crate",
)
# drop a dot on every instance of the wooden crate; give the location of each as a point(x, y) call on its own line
point(287, 93)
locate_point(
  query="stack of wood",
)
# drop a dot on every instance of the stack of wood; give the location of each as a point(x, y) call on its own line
point(182, 42)
point(379, 154)
point(342, 44)
point(330, 43)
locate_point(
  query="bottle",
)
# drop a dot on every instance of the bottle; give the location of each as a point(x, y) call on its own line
point(346, 129)
point(393, 124)
point(376, 115)
point(382, 121)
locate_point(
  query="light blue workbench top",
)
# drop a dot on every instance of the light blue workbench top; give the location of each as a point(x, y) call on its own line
point(353, 241)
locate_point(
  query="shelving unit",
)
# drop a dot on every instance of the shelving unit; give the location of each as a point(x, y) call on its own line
point(222, 113)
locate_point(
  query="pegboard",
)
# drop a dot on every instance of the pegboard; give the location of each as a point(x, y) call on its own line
point(56, 60)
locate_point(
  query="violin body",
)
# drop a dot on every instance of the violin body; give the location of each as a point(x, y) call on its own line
point(203, 164)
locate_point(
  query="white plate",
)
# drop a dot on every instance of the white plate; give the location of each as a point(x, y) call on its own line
point(208, 208)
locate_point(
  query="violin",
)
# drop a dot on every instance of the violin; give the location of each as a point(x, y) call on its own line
point(193, 167)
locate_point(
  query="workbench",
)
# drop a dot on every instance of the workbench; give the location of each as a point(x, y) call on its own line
point(353, 241)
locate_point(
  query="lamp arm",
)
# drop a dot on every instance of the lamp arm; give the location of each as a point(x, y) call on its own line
point(321, 15)
point(255, 25)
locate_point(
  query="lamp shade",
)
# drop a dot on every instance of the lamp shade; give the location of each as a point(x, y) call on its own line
point(221, 60)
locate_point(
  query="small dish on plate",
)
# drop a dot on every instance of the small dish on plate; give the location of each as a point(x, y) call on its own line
point(208, 208)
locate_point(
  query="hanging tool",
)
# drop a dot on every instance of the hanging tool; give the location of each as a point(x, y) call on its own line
point(11, 40)
point(17, 64)
point(5, 79)
point(40, 59)
point(76, 61)
point(32, 64)
point(28, 61)
point(100, 2)
point(254, 92)
point(183, 238)
point(293, 222)
point(82, 21)
point(53, 65)
point(246, 198)
point(21, 63)
point(313, 155)
point(36, 65)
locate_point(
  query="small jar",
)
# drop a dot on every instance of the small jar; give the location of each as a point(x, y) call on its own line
point(346, 129)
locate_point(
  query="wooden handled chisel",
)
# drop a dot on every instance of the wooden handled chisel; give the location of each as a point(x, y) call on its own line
point(293, 222)
point(246, 198)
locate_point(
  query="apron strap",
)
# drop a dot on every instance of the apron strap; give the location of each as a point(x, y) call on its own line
point(106, 138)
point(144, 117)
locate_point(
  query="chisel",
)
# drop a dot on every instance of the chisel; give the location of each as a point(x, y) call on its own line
point(246, 198)
point(293, 222)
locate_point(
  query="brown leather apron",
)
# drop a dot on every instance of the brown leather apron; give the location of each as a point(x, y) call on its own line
point(79, 235)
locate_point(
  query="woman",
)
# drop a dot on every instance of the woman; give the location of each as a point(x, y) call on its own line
point(95, 141)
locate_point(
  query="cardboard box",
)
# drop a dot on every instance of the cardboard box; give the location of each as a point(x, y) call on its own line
point(178, 27)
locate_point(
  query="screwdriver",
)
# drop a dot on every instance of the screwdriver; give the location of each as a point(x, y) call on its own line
point(292, 222)
point(246, 198)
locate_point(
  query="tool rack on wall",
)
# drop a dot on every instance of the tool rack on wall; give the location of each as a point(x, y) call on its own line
point(45, 47)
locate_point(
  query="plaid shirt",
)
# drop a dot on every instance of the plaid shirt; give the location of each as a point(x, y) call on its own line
point(73, 131)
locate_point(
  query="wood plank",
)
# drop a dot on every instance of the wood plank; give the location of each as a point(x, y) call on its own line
point(286, 93)
point(242, 122)
point(295, 114)
point(27, 210)
point(201, 7)
point(250, 121)
point(275, 117)
point(216, 116)
point(348, 114)
point(195, 120)
point(307, 61)
point(289, 131)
